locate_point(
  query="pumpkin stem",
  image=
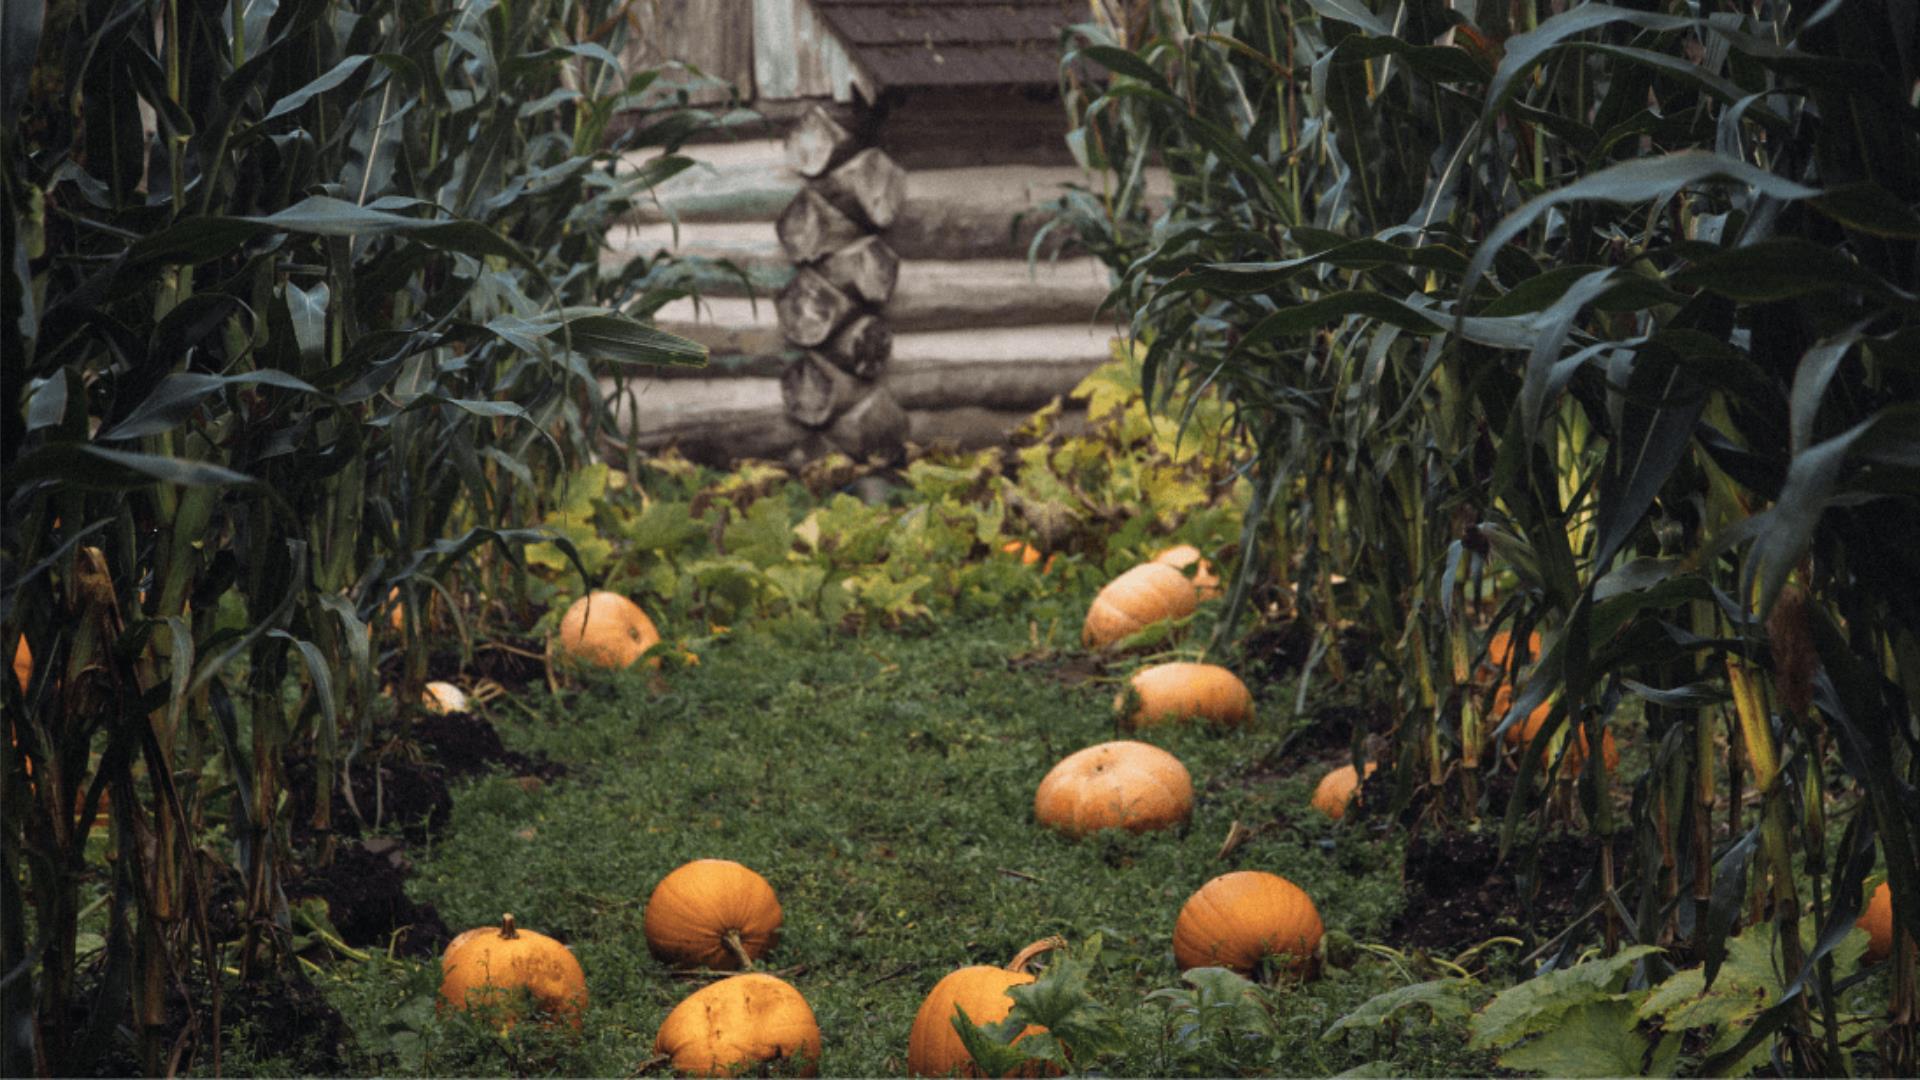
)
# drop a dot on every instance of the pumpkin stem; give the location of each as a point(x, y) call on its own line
point(1044, 945)
point(739, 950)
point(507, 930)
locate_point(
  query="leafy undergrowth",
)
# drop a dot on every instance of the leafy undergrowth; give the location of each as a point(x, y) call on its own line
point(884, 786)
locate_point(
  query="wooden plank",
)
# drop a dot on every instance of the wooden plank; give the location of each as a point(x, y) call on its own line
point(1020, 368)
point(796, 55)
point(989, 293)
point(715, 36)
point(969, 427)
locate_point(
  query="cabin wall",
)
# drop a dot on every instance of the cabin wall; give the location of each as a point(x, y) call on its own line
point(796, 56)
point(715, 36)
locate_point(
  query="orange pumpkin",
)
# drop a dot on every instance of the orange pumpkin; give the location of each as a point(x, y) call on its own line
point(712, 913)
point(1177, 691)
point(1337, 789)
point(737, 1023)
point(1115, 785)
point(1240, 919)
point(1577, 751)
point(1523, 732)
point(1206, 584)
point(606, 630)
point(1877, 921)
point(1500, 657)
point(23, 663)
point(488, 966)
point(1144, 595)
point(980, 991)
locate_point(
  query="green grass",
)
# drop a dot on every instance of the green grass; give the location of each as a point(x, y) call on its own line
point(884, 786)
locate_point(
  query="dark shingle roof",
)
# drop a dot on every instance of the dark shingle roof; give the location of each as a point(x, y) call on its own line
point(908, 43)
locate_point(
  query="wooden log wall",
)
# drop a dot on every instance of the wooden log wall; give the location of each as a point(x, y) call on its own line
point(834, 308)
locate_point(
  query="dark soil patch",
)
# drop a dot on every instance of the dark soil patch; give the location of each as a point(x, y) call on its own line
point(365, 891)
point(1458, 894)
point(1063, 668)
point(394, 794)
point(282, 1017)
point(1276, 650)
point(467, 745)
point(1330, 732)
point(514, 663)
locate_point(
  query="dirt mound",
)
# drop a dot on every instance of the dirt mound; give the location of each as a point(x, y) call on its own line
point(365, 891)
point(1459, 894)
point(467, 745)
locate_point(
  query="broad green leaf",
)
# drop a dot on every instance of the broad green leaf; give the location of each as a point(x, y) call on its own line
point(1636, 181)
point(1596, 1038)
point(1538, 1004)
point(1442, 999)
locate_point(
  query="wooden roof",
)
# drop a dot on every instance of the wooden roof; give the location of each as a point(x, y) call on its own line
point(918, 43)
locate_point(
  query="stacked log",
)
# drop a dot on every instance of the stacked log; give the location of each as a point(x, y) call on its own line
point(834, 308)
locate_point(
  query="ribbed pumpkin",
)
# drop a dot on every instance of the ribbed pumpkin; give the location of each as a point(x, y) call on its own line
point(1206, 584)
point(980, 991)
point(1337, 789)
point(737, 1023)
point(1144, 595)
point(1877, 921)
point(1115, 785)
point(1240, 919)
point(1166, 693)
point(1500, 656)
point(489, 965)
point(606, 630)
point(712, 913)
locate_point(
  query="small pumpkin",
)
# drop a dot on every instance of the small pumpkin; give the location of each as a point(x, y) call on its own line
point(1147, 594)
point(444, 698)
point(1165, 693)
point(1115, 785)
point(1240, 919)
point(1206, 583)
point(1877, 921)
point(1337, 789)
point(1577, 751)
point(980, 991)
point(1523, 732)
point(1500, 657)
point(605, 629)
point(737, 1023)
point(488, 966)
point(712, 913)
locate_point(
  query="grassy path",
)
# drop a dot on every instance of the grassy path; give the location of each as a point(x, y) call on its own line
point(884, 786)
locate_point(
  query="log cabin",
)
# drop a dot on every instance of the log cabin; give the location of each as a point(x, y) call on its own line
point(878, 218)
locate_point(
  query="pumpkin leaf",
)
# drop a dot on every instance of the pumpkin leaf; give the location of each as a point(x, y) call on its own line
point(1442, 999)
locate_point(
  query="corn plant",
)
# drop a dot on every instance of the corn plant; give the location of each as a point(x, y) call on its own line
point(301, 306)
point(1612, 309)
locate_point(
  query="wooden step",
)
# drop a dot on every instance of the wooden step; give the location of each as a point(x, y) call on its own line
point(974, 295)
